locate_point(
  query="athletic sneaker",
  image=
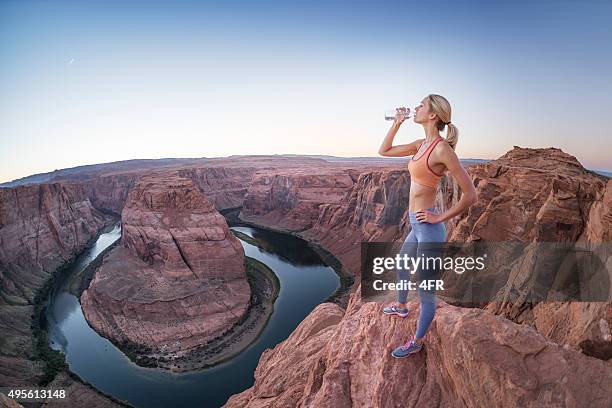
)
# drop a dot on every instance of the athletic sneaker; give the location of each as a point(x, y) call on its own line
point(401, 312)
point(404, 351)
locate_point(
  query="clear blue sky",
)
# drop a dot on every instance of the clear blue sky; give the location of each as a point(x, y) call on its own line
point(85, 82)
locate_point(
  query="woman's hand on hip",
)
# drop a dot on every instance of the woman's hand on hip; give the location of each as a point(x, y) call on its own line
point(427, 216)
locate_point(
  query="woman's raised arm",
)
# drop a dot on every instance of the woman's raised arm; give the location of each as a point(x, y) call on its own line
point(387, 148)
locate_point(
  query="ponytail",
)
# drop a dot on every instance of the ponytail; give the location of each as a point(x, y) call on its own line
point(452, 135)
point(441, 107)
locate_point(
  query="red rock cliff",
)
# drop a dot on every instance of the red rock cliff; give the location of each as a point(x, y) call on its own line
point(225, 187)
point(543, 195)
point(109, 193)
point(42, 227)
point(334, 207)
point(178, 279)
point(473, 358)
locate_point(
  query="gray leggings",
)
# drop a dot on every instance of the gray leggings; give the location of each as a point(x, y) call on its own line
point(422, 232)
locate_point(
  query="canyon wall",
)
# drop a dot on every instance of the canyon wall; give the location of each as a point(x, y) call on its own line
point(177, 281)
point(472, 358)
point(42, 227)
point(539, 196)
point(225, 187)
point(109, 193)
point(335, 207)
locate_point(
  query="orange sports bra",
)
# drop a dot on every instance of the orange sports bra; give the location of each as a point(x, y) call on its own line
point(419, 169)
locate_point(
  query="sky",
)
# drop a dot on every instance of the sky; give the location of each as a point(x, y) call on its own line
point(94, 82)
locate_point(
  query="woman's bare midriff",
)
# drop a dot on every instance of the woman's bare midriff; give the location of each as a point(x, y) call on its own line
point(421, 197)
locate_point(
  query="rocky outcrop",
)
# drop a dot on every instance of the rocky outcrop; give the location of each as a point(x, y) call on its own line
point(534, 196)
point(42, 227)
point(472, 358)
point(109, 193)
point(225, 187)
point(177, 281)
point(7, 402)
point(530, 195)
point(598, 223)
point(79, 394)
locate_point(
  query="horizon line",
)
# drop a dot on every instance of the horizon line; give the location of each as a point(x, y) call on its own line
point(382, 158)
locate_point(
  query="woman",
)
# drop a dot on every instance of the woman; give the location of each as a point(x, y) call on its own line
point(431, 157)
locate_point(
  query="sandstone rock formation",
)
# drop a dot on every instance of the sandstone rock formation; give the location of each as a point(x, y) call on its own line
point(7, 402)
point(335, 207)
point(178, 279)
point(225, 187)
point(42, 227)
point(542, 195)
point(539, 195)
point(79, 394)
point(472, 358)
point(109, 193)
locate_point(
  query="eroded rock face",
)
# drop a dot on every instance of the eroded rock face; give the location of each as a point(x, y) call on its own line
point(374, 209)
point(169, 224)
point(542, 195)
point(529, 195)
point(42, 227)
point(334, 207)
point(225, 187)
point(178, 279)
point(289, 199)
point(472, 358)
point(109, 193)
point(80, 395)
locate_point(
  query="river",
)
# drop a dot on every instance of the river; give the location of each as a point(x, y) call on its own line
point(305, 281)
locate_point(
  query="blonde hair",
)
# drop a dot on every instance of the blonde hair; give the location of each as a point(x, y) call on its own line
point(441, 107)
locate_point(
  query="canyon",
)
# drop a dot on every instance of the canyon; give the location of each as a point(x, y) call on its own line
point(42, 228)
point(544, 195)
point(340, 353)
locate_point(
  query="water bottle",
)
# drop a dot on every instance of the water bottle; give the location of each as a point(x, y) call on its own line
point(390, 114)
